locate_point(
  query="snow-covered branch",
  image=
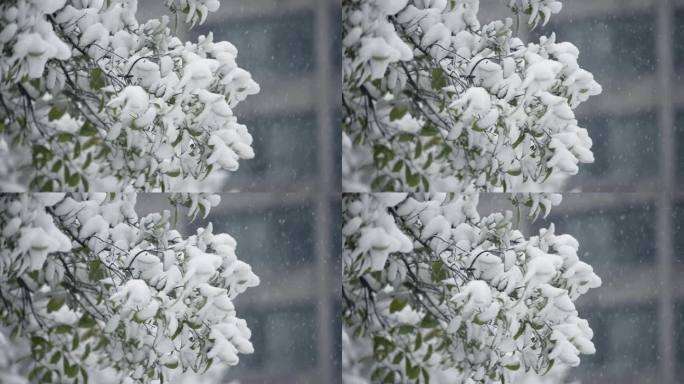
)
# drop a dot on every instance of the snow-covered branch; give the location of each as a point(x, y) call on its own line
point(439, 290)
point(94, 287)
point(92, 99)
point(434, 100)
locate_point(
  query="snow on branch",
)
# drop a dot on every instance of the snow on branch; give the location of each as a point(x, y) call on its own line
point(435, 100)
point(92, 99)
point(433, 289)
point(95, 288)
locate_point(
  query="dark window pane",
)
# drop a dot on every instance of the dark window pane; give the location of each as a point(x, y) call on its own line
point(610, 237)
point(336, 38)
point(679, 333)
point(280, 236)
point(678, 39)
point(626, 341)
point(678, 229)
point(336, 353)
point(272, 44)
point(624, 149)
point(286, 151)
point(679, 134)
point(612, 46)
point(337, 145)
point(285, 339)
point(291, 338)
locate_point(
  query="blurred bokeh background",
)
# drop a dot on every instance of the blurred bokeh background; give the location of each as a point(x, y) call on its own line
point(635, 49)
point(291, 48)
point(294, 312)
point(637, 315)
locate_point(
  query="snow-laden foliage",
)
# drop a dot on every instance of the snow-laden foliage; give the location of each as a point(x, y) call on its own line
point(435, 100)
point(92, 99)
point(95, 288)
point(434, 289)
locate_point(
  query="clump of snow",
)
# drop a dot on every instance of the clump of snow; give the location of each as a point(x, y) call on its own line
point(478, 281)
point(487, 111)
point(152, 86)
point(145, 281)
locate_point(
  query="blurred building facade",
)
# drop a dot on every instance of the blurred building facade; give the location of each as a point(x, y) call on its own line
point(634, 313)
point(632, 233)
point(294, 313)
point(292, 50)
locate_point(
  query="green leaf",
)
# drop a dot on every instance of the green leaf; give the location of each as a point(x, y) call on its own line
point(377, 373)
point(97, 79)
point(41, 155)
point(476, 127)
point(428, 355)
point(439, 273)
point(85, 375)
point(536, 326)
point(193, 326)
point(47, 377)
point(64, 137)
point(88, 129)
point(95, 271)
point(87, 352)
point(55, 357)
point(62, 328)
point(55, 113)
point(376, 184)
point(439, 80)
point(426, 183)
point(382, 155)
point(411, 178)
point(551, 362)
point(521, 330)
point(429, 130)
point(77, 149)
point(75, 341)
point(55, 304)
point(405, 329)
point(87, 321)
point(397, 305)
point(426, 376)
point(56, 166)
point(47, 187)
point(193, 132)
point(72, 370)
point(382, 347)
point(397, 113)
point(389, 378)
point(429, 321)
point(95, 140)
point(73, 180)
point(513, 367)
point(428, 162)
point(412, 371)
point(419, 149)
point(397, 166)
point(516, 172)
point(398, 357)
point(519, 140)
